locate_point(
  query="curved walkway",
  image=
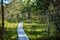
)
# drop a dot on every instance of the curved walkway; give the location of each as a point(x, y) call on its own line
point(21, 33)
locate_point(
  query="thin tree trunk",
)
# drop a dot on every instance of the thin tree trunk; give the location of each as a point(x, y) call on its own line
point(39, 16)
point(48, 20)
point(29, 15)
point(2, 8)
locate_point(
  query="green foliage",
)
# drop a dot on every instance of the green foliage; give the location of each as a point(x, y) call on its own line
point(38, 31)
point(17, 11)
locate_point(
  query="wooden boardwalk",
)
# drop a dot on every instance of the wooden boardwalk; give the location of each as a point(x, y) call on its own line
point(21, 33)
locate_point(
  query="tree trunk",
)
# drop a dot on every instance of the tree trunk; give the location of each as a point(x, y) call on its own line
point(48, 20)
point(29, 15)
point(2, 8)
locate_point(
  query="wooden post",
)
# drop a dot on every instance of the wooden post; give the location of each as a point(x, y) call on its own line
point(2, 9)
